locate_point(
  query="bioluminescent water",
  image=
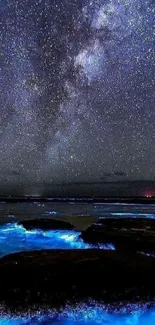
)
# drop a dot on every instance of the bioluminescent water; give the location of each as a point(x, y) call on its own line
point(86, 315)
point(14, 238)
point(132, 215)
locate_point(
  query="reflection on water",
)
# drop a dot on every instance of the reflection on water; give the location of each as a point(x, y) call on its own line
point(131, 315)
point(134, 215)
point(18, 239)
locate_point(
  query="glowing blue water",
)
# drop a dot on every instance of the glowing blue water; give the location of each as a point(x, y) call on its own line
point(140, 215)
point(14, 238)
point(85, 315)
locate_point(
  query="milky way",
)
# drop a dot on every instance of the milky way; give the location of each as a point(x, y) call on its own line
point(77, 90)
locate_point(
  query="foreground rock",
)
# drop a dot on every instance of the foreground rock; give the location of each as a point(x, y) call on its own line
point(46, 224)
point(57, 276)
point(124, 234)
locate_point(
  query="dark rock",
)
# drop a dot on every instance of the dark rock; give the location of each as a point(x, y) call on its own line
point(126, 234)
point(46, 224)
point(57, 276)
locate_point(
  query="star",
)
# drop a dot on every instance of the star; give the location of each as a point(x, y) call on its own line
point(77, 91)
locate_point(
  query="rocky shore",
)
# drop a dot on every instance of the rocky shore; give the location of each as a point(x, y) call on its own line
point(46, 224)
point(128, 234)
point(57, 276)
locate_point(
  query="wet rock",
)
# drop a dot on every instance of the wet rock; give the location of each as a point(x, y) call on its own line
point(55, 277)
point(124, 234)
point(46, 224)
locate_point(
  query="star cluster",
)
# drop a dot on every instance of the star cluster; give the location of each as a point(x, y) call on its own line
point(77, 90)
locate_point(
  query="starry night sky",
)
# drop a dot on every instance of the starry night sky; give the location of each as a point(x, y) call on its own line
point(76, 91)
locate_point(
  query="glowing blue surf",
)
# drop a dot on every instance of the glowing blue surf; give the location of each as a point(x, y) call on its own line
point(86, 315)
point(14, 238)
point(128, 214)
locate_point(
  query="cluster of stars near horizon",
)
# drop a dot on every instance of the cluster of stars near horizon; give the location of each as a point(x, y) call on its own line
point(77, 99)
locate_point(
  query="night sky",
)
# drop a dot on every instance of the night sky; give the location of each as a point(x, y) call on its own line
point(76, 91)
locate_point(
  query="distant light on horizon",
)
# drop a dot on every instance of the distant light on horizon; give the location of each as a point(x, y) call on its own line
point(148, 195)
